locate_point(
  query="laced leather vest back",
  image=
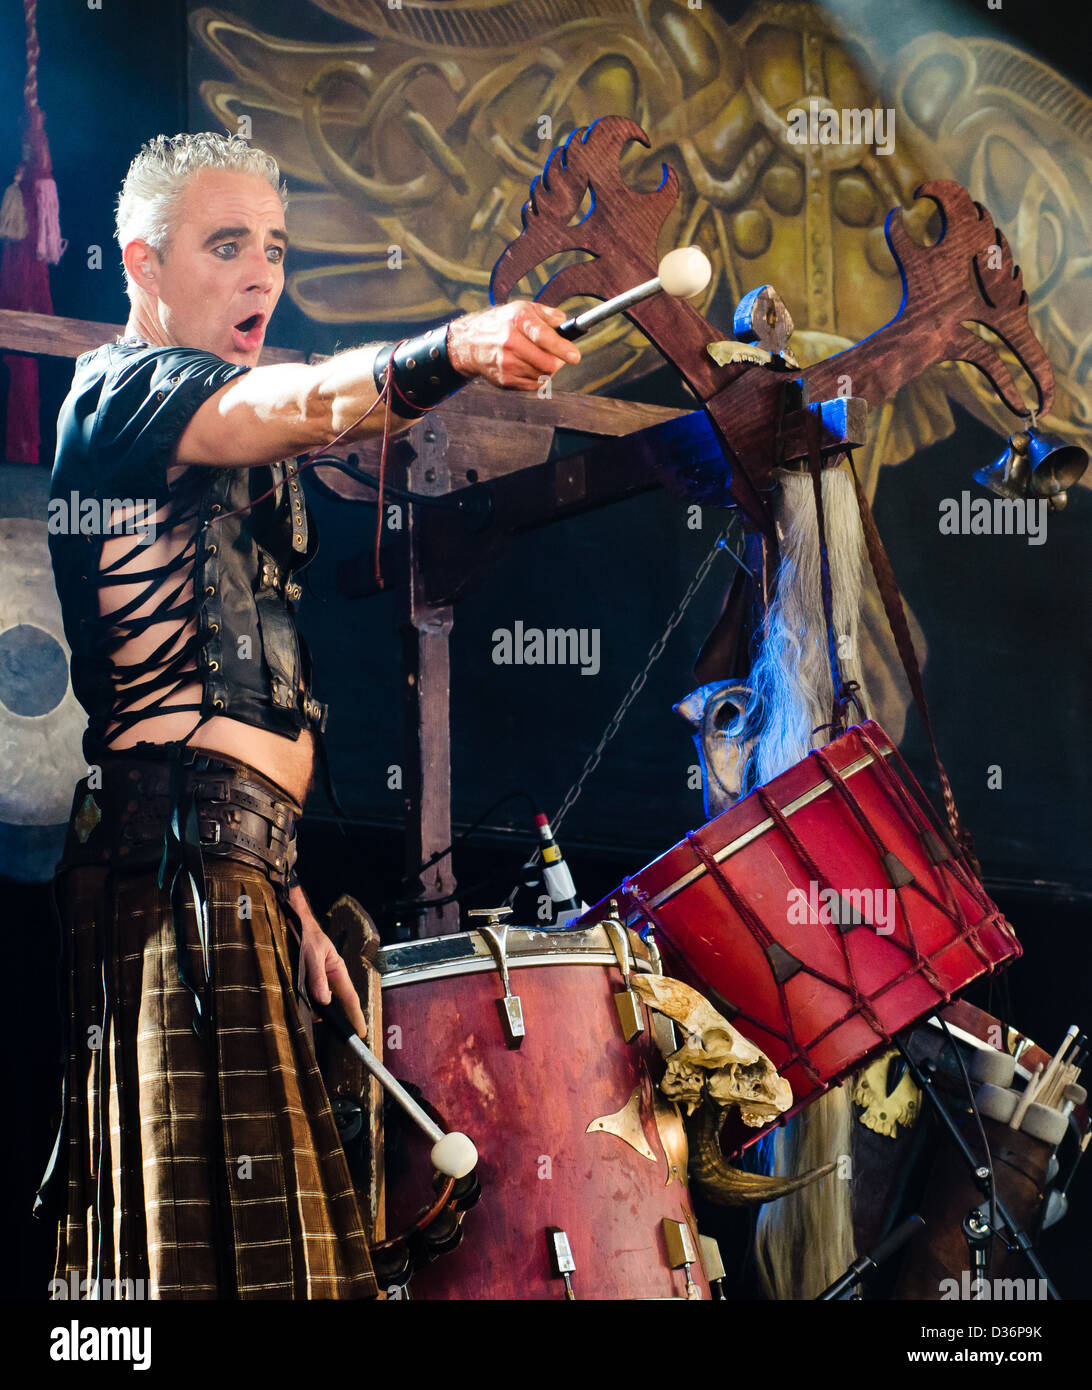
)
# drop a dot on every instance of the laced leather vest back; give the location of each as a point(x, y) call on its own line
point(218, 609)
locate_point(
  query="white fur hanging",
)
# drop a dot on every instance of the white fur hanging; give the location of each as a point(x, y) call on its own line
point(805, 1241)
point(791, 676)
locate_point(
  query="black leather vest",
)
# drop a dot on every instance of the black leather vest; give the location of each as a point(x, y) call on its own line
point(251, 662)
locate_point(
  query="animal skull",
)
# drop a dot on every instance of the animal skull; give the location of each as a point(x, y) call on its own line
point(716, 1061)
point(717, 714)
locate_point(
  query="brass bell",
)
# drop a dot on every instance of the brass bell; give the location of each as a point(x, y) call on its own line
point(1008, 476)
point(1035, 465)
point(1055, 467)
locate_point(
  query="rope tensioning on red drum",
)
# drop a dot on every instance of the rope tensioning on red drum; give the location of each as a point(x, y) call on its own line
point(783, 965)
point(859, 1004)
point(780, 960)
point(917, 963)
point(854, 991)
point(954, 864)
point(898, 875)
point(965, 931)
point(639, 895)
point(632, 890)
point(958, 864)
point(938, 852)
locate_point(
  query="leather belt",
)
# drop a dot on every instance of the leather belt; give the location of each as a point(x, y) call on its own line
point(120, 815)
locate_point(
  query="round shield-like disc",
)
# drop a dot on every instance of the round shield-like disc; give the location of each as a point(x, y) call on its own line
point(41, 721)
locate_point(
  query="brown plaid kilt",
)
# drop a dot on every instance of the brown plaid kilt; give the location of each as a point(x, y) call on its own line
point(207, 1166)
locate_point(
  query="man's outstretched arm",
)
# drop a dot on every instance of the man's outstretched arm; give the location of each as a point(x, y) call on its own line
point(271, 413)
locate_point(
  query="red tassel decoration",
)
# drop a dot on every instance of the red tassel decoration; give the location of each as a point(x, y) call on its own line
point(25, 261)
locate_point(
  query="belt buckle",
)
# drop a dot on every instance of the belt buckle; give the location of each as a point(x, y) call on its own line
point(207, 837)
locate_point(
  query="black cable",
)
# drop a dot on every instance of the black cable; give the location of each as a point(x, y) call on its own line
point(449, 500)
point(440, 854)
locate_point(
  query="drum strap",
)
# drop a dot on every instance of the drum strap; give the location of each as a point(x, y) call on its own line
point(900, 631)
point(844, 691)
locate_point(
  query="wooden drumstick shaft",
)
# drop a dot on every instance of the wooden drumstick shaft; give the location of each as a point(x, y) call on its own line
point(1034, 1084)
point(682, 273)
point(334, 1016)
point(1065, 1078)
point(576, 327)
point(1056, 1061)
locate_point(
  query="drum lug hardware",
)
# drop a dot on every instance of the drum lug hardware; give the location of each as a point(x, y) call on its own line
point(495, 937)
point(712, 1264)
point(663, 1029)
point(681, 1253)
point(562, 1264)
point(630, 1011)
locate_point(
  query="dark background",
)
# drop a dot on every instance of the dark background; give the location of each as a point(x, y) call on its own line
point(1006, 624)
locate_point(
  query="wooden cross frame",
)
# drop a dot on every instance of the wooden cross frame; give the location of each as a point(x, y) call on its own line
point(455, 449)
point(722, 457)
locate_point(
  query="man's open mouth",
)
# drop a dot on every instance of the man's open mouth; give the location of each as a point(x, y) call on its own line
point(248, 332)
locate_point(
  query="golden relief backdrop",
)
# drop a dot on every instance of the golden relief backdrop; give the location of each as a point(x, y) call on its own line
point(425, 130)
point(421, 126)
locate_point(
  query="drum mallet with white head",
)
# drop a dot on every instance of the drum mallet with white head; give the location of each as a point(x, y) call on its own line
point(683, 273)
point(453, 1154)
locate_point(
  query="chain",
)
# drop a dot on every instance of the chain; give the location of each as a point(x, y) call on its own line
point(637, 685)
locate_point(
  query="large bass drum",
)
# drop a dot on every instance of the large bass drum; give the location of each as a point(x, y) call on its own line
point(518, 1041)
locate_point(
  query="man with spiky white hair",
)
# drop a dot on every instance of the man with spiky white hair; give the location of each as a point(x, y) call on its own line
point(200, 1149)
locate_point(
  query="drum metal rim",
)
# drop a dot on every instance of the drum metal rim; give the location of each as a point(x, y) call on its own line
point(554, 948)
point(742, 841)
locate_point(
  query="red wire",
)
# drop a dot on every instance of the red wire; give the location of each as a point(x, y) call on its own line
point(388, 388)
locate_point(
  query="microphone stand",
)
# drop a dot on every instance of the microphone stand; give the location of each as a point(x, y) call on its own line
point(865, 1264)
point(981, 1175)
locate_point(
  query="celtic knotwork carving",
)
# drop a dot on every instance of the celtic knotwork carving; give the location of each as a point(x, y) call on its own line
point(510, 80)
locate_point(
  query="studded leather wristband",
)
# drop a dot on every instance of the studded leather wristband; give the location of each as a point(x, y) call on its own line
point(421, 372)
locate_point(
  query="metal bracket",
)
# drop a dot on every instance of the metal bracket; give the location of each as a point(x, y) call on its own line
point(631, 1014)
point(496, 938)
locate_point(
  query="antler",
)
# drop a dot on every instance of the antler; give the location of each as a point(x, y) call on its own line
point(935, 279)
point(621, 231)
point(589, 158)
point(968, 277)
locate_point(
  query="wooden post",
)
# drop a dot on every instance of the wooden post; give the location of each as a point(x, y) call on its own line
point(426, 667)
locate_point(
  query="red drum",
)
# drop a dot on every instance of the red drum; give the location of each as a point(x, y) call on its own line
point(572, 1136)
point(822, 913)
